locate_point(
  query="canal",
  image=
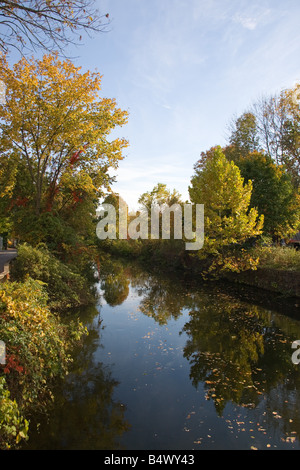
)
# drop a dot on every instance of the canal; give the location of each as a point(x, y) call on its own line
point(171, 363)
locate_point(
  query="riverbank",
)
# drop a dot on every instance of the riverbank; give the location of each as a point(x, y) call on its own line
point(277, 269)
point(39, 329)
point(278, 281)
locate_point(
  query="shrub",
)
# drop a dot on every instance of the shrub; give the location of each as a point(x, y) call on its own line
point(13, 426)
point(38, 347)
point(278, 257)
point(66, 289)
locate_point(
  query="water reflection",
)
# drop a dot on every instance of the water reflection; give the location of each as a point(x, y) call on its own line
point(237, 354)
point(114, 283)
point(241, 352)
point(225, 342)
point(84, 414)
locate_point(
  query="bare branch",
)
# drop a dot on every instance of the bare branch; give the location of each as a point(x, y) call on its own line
point(47, 24)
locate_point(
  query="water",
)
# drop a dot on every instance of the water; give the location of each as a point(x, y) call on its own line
point(178, 365)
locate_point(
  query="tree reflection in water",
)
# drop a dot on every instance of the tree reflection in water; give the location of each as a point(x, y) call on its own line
point(239, 351)
point(84, 415)
point(114, 283)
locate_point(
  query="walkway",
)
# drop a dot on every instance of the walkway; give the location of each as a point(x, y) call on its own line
point(5, 257)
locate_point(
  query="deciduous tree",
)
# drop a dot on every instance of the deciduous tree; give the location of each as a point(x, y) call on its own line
point(273, 194)
point(229, 220)
point(56, 127)
point(160, 195)
point(243, 138)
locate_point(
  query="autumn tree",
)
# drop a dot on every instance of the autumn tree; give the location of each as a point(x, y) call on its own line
point(47, 24)
point(163, 203)
point(160, 195)
point(229, 220)
point(54, 134)
point(291, 135)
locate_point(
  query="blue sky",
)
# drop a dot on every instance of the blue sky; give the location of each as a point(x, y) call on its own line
point(182, 69)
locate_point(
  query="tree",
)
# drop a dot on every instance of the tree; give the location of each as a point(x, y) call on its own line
point(270, 116)
point(46, 24)
point(273, 194)
point(56, 128)
point(272, 126)
point(163, 202)
point(160, 195)
point(278, 128)
point(291, 135)
point(229, 221)
point(264, 144)
point(243, 139)
point(8, 170)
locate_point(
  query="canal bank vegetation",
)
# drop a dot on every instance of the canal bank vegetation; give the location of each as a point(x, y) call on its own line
point(51, 179)
point(38, 346)
point(67, 287)
point(274, 268)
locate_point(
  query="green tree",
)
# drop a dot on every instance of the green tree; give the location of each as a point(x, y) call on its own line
point(160, 195)
point(161, 199)
point(244, 138)
point(273, 194)
point(229, 220)
point(291, 134)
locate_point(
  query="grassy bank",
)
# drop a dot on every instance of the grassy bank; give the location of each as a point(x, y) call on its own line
point(278, 258)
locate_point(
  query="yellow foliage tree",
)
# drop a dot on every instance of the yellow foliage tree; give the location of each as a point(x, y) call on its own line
point(229, 221)
point(56, 124)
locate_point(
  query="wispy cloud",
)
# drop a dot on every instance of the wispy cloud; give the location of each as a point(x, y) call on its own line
point(246, 21)
point(252, 15)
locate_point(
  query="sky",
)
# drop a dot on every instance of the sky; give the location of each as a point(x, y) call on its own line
point(183, 69)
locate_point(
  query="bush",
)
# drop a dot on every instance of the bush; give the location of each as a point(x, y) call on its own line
point(278, 257)
point(167, 254)
point(38, 350)
point(13, 426)
point(66, 289)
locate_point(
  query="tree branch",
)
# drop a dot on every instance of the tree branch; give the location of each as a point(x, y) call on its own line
point(46, 23)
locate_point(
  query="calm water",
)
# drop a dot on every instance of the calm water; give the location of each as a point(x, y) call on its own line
point(168, 365)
